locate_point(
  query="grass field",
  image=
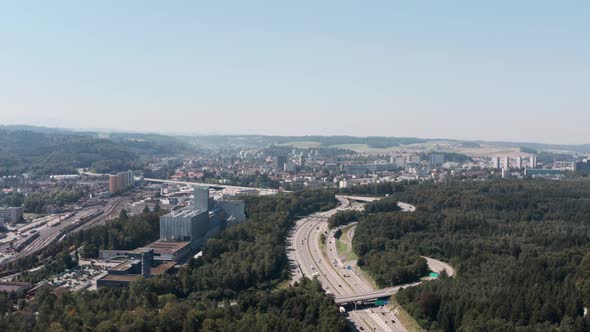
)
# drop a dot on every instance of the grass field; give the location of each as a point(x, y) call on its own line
point(406, 319)
point(302, 144)
point(344, 247)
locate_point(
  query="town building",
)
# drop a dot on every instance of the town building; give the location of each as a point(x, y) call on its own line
point(496, 162)
point(506, 163)
point(121, 182)
point(10, 215)
point(519, 163)
point(564, 165)
point(436, 160)
point(279, 163)
point(533, 162)
point(583, 165)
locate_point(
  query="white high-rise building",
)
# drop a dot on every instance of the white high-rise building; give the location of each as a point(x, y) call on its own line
point(533, 162)
point(506, 164)
point(496, 162)
point(519, 162)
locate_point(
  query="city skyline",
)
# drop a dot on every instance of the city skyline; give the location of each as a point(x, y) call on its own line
point(495, 72)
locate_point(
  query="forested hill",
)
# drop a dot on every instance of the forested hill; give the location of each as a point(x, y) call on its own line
point(45, 153)
point(521, 250)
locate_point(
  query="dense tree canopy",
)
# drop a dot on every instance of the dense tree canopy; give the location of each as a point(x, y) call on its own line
point(520, 249)
point(45, 153)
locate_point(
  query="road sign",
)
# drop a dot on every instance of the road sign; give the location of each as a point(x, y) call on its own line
point(434, 275)
point(349, 267)
point(380, 303)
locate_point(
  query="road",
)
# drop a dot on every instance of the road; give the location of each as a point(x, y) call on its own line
point(305, 251)
point(342, 278)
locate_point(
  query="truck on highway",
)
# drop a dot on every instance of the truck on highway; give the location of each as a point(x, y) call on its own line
point(343, 311)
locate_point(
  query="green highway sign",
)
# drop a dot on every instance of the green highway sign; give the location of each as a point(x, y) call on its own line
point(380, 303)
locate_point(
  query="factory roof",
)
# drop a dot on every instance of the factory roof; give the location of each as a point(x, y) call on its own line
point(162, 268)
point(14, 286)
point(124, 266)
point(165, 247)
point(184, 213)
point(120, 277)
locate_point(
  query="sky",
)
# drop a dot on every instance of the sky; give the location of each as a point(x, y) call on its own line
point(495, 70)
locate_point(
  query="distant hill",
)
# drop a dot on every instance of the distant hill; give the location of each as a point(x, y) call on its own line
point(43, 151)
point(323, 141)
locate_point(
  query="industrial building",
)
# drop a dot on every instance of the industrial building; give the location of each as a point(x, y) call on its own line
point(141, 264)
point(186, 225)
point(201, 220)
point(534, 172)
point(176, 251)
point(181, 231)
point(121, 182)
point(15, 287)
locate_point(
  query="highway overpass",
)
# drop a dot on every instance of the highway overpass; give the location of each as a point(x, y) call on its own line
point(370, 296)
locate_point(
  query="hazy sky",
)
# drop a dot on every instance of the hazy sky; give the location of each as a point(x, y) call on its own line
point(501, 70)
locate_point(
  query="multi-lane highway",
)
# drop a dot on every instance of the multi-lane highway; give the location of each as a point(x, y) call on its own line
point(340, 278)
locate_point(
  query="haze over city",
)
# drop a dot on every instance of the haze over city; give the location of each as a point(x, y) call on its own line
point(499, 71)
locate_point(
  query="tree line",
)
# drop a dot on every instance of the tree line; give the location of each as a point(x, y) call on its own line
point(520, 249)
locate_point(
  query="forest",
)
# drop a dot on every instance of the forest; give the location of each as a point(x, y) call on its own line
point(62, 152)
point(234, 286)
point(375, 242)
point(521, 250)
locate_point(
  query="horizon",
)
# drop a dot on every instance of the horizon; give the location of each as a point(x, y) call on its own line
point(493, 72)
point(172, 134)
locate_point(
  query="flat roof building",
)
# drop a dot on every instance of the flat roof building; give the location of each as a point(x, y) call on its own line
point(15, 287)
point(186, 225)
point(10, 215)
point(121, 181)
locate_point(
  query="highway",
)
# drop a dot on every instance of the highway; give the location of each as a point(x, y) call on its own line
point(305, 251)
point(339, 277)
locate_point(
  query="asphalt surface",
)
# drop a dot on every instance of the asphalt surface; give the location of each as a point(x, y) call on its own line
point(309, 260)
point(340, 278)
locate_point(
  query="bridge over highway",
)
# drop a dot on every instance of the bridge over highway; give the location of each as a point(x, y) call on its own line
point(370, 296)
